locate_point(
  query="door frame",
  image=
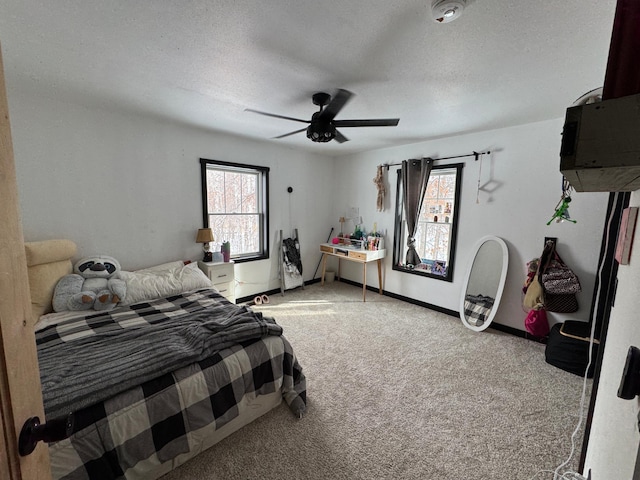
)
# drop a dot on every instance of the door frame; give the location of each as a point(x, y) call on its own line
point(20, 390)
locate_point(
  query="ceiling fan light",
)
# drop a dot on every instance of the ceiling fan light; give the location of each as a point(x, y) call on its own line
point(321, 132)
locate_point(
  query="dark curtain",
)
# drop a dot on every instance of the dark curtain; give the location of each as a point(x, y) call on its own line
point(415, 175)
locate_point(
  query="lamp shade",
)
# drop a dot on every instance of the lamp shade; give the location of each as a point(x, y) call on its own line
point(205, 235)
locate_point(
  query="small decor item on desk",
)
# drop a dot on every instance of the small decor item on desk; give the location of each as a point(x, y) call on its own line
point(375, 243)
point(226, 251)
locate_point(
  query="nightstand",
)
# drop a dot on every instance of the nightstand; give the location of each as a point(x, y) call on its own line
point(222, 276)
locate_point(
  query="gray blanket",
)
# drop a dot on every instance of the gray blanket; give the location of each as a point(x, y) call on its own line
point(84, 361)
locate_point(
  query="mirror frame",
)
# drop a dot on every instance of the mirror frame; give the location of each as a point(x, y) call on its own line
point(503, 277)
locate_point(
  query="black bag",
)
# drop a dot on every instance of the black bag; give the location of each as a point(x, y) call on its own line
point(560, 303)
point(558, 278)
point(556, 298)
point(568, 347)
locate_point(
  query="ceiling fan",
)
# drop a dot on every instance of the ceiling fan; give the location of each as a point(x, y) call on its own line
point(322, 126)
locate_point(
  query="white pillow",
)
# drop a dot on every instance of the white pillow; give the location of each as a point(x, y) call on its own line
point(149, 284)
point(164, 266)
point(192, 277)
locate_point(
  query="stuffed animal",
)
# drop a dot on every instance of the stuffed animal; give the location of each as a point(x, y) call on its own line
point(94, 285)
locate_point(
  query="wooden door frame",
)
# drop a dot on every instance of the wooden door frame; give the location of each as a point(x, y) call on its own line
point(20, 390)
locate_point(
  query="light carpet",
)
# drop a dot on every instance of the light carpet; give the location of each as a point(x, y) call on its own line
point(397, 391)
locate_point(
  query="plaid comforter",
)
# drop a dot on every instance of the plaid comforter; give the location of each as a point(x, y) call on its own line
point(168, 416)
point(86, 359)
point(137, 433)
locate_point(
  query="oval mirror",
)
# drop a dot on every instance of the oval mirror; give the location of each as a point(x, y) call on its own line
point(484, 283)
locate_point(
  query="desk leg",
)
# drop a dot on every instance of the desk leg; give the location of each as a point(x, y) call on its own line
point(324, 268)
point(380, 275)
point(364, 281)
point(339, 265)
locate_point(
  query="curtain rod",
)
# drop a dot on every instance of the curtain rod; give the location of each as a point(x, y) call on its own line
point(474, 154)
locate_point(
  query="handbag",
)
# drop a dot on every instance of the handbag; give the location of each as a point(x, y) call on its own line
point(558, 278)
point(561, 302)
point(536, 323)
point(534, 296)
point(559, 283)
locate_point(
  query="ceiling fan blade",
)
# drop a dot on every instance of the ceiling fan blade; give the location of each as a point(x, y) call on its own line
point(374, 122)
point(340, 138)
point(276, 116)
point(291, 133)
point(338, 101)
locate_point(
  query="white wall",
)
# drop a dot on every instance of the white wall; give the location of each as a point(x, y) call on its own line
point(522, 186)
point(129, 186)
point(613, 444)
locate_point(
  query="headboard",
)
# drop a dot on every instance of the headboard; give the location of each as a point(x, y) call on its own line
point(47, 262)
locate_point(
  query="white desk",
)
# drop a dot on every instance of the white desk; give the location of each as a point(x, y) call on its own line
point(353, 254)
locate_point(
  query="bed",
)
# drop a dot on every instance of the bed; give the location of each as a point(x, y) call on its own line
point(155, 381)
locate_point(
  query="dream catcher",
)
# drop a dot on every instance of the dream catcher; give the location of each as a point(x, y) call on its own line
point(561, 213)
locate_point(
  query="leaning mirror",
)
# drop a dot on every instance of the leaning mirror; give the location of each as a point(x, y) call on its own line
point(484, 283)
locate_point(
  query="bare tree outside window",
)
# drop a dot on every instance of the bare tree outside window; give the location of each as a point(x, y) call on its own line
point(235, 205)
point(437, 225)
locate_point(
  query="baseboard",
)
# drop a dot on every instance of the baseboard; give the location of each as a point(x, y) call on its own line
point(251, 297)
point(272, 292)
point(517, 332)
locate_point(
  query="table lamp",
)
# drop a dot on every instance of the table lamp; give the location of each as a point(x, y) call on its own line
point(205, 236)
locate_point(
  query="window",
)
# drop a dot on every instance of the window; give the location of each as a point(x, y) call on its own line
point(437, 225)
point(235, 206)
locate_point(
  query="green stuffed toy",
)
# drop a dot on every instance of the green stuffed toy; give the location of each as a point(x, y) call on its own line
point(94, 285)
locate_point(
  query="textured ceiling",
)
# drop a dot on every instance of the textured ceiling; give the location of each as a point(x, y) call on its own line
point(504, 62)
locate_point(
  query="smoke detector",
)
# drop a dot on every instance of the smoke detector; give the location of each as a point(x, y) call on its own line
point(445, 11)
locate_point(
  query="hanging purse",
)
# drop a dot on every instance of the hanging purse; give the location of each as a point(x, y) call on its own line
point(534, 296)
point(559, 283)
point(558, 278)
point(537, 323)
point(561, 303)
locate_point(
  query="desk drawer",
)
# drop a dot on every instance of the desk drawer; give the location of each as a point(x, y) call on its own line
point(326, 248)
point(358, 255)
